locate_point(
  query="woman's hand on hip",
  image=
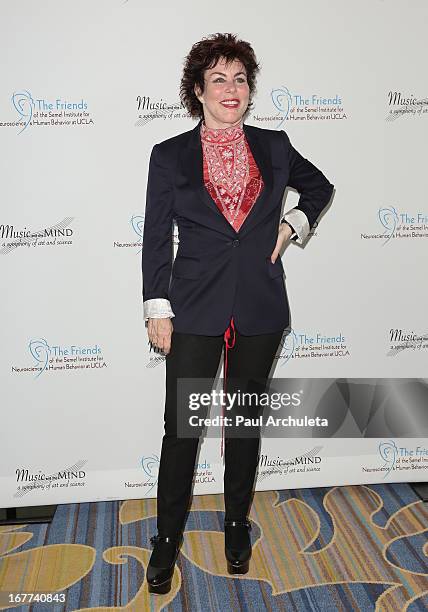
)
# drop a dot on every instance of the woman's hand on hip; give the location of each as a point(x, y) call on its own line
point(284, 234)
point(160, 331)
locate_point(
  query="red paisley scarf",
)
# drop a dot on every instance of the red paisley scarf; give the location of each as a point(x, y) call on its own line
point(231, 175)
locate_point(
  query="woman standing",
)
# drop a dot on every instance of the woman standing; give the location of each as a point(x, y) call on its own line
point(223, 183)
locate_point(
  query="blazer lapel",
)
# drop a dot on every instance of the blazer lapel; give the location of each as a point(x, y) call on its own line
point(261, 152)
point(192, 167)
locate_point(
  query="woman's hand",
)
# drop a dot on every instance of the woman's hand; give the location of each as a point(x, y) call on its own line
point(284, 233)
point(160, 331)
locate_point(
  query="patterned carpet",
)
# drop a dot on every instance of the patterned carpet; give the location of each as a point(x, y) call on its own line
point(339, 548)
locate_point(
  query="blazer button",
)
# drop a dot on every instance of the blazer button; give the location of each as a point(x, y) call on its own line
point(235, 243)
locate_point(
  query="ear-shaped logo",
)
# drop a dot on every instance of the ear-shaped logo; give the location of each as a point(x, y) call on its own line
point(389, 219)
point(288, 345)
point(281, 99)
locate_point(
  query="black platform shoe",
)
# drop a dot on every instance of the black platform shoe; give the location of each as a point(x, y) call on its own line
point(160, 569)
point(237, 546)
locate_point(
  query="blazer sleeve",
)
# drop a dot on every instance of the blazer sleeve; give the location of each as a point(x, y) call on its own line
point(157, 232)
point(314, 188)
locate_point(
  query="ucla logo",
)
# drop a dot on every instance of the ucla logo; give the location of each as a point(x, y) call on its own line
point(44, 112)
point(57, 357)
point(303, 107)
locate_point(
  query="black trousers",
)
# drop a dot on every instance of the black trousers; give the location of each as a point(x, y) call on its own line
point(196, 356)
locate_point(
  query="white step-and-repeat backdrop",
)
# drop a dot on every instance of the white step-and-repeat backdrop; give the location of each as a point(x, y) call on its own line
point(86, 90)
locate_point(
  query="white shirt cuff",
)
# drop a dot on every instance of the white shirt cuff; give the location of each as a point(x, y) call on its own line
point(299, 221)
point(157, 308)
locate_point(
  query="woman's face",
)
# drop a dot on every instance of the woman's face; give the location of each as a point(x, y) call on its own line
point(226, 94)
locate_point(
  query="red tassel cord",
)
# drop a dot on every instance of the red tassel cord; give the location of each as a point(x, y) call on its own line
point(229, 340)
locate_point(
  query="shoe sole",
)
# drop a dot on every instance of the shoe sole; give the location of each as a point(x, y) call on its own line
point(160, 589)
point(238, 569)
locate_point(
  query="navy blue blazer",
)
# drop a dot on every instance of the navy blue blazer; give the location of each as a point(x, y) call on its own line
point(219, 272)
